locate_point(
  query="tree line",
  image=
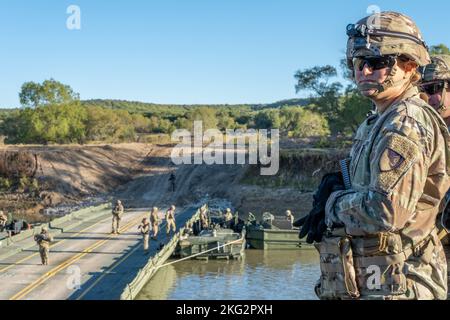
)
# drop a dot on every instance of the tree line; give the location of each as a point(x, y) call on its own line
point(53, 113)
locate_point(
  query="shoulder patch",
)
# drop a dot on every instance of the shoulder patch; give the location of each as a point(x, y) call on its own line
point(397, 155)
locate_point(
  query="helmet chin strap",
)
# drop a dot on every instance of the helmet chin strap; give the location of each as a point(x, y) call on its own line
point(442, 106)
point(386, 84)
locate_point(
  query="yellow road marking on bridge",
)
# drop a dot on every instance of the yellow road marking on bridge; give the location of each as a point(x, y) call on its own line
point(52, 246)
point(115, 265)
point(22, 293)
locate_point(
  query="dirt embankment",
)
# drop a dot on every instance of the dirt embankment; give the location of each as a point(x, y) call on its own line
point(42, 177)
point(139, 175)
point(291, 188)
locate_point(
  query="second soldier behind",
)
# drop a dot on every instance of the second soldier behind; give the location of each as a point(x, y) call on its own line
point(436, 84)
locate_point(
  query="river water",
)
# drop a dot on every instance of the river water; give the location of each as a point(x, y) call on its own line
point(271, 275)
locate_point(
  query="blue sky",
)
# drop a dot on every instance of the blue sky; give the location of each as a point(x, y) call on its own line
point(191, 51)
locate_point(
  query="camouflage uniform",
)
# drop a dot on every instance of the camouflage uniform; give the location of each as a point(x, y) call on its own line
point(154, 220)
point(228, 216)
point(43, 240)
point(144, 227)
point(439, 70)
point(204, 219)
point(289, 216)
point(170, 220)
point(383, 243)
point(3, 220)
point(117, 214)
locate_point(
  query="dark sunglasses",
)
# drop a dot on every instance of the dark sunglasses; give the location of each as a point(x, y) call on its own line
point(374, 63)
point(433, 88)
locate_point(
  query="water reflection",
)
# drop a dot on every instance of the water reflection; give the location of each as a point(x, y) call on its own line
point(259, 275)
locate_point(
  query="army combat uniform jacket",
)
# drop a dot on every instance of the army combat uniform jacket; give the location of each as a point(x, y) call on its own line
point(399, 175)
point(118, 210)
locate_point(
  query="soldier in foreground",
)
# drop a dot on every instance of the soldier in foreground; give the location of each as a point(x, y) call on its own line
point(144, 227)
point(154, 220)
point(43, 240)
point(170, 220)
point(381, 240)
point(117, 214)
point(436, 84)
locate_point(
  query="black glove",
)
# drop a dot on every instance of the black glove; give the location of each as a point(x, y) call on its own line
point(314, 223)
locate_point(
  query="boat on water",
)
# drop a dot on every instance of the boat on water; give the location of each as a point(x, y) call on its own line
point(220, 240)
point(273, 233)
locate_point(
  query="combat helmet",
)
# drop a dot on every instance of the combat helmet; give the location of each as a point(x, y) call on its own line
point(437, 72)
point(386, 34)
point(438, 69)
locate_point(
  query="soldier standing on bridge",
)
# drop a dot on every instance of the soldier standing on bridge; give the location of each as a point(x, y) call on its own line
point(204, 219)
point(43, 240)
point(144, 227)
point(172, 181)
point(117, 214)
point(228, 217)
point(170, 220)
point(289, 216)
point(3, 220)
point(154, 220)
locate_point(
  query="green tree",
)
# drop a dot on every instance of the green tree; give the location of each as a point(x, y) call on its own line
point(141, 124)
point(49, 92)
point(226, 121)
point(439, 49)
point(344, 109)
point(324, 95)
point(300, 122)
point(46, 124)
point(204, 114)
point(109, 125)
point(268, 119)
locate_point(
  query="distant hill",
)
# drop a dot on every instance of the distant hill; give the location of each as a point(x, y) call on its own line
point(288, 102)
point(8, 109)
point(174, 109)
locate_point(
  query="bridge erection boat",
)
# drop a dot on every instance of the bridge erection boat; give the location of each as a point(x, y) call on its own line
point(273, 233)
point(220, 240)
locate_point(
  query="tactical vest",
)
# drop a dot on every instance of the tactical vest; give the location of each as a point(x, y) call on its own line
point(154, 218)
point(354, 267)
point(118, 211)
point(44, 240)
